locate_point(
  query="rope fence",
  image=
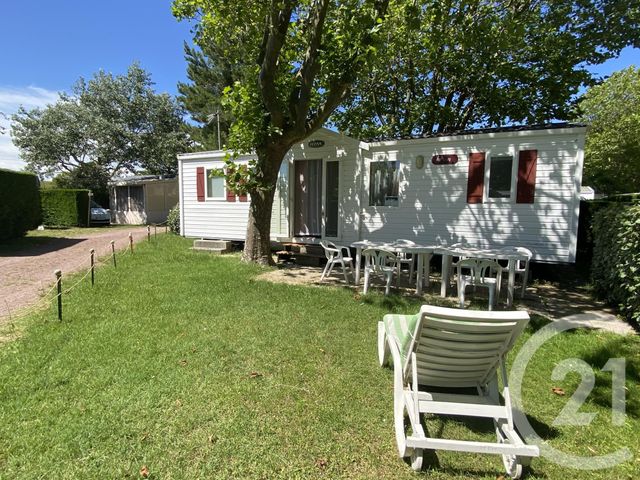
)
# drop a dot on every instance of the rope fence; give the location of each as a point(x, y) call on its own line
point(55, 293)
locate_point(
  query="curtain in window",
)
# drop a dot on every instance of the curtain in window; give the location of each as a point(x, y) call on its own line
point(383, 183)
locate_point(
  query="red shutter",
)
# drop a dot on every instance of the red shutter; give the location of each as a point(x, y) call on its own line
point(231, 197)
point(527, 166)
point(200, 183)
point(475, 185)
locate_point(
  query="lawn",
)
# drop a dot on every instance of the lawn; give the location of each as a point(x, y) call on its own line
point(186, 364)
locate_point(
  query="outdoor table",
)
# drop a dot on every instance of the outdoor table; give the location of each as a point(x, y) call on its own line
point(510, 254)
point(422, 252)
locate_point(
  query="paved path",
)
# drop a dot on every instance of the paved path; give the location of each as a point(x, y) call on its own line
point(26, 274)
point(576, 306)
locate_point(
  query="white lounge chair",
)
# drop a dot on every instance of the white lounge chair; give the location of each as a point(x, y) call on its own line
point(453, 349)
point(380, 262)
point(335, 255)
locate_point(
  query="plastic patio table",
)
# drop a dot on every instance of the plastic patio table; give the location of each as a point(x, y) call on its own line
point(510, 254)
point(422, 252)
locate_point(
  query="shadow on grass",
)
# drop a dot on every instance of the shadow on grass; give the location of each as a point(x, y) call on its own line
point(619, 347)
point(434, 428)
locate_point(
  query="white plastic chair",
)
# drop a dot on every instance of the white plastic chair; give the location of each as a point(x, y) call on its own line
point(379, 262)
point(452, 349)
point(522, 268)
point(335, 255)
point(479, 275)
point(406, 258)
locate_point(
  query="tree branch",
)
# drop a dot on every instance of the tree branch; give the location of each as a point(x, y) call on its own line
point(301, 97)
point(336, 95)
point(338, 91)
point(274, 40)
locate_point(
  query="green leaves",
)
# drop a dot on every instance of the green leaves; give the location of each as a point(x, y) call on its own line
point(612, 153)
point(114, 123)
point(284, 85)
point(447, 66)
point(616, 257)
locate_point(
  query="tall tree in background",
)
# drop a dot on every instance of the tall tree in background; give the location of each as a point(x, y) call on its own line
point(210, 72)
point(458, 63)
point(612, 152)
point(295, 63)
point(107, 125)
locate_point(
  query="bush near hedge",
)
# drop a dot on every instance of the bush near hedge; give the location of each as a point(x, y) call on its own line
point(616, 257)
point(173, 219)
point(65, 207)
point(19, 203)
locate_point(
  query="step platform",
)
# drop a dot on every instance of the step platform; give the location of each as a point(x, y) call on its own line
point(217, 247)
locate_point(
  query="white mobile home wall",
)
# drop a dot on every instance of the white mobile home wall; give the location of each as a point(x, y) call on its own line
point(432, 206)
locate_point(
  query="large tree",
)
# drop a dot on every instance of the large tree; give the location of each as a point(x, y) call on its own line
point(453, 64)
point(395, 68)
point(109, 124)
point(612, 153)
point(209, 72)
point(295, 63)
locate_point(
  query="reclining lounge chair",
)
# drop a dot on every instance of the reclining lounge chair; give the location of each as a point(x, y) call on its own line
point(453, 349)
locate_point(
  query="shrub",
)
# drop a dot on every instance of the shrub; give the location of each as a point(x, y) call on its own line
point(173, 219)
point(19, 203)
point(616, 257)
point(65, 207)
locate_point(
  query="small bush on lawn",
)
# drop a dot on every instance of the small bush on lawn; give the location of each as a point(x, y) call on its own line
point(65, 207)
point(173, 219)
point(616, 257)
point(19, 203)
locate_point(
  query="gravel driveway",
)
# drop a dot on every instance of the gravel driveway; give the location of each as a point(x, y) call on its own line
point(27, 274)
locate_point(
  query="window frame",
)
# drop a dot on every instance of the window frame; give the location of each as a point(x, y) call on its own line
point(397, 180)
point(489, 156)
point(207, 197)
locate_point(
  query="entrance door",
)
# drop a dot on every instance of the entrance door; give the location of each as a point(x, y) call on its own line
point(307, 211)
point(331, 199)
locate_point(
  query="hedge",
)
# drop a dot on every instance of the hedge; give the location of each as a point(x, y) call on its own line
point(62, 207)
point(616, 257)
point(19, 203)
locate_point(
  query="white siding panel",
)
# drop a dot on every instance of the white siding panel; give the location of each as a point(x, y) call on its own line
point(215, 219)
point(433, 206)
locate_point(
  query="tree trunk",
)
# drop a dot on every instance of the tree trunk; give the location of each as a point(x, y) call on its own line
point(257, 245)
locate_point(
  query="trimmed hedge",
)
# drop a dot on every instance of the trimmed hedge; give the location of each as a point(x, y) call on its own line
point(616, 257)
point(62, 207)
point(19, 203)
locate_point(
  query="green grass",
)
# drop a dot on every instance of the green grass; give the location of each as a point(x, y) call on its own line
point(185, 363)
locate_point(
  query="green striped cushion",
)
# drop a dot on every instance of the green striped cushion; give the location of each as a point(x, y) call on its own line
point(401, 329)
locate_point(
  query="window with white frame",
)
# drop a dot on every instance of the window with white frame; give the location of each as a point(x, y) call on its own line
point(384, 183)
point(500, 175)
point(215, 185)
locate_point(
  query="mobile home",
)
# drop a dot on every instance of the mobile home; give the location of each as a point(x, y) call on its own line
point(142, 199)
point(512, 186)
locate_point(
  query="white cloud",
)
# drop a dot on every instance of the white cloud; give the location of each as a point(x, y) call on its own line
point(12, 98)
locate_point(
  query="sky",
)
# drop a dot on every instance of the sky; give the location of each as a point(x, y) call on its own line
point(48, 45)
